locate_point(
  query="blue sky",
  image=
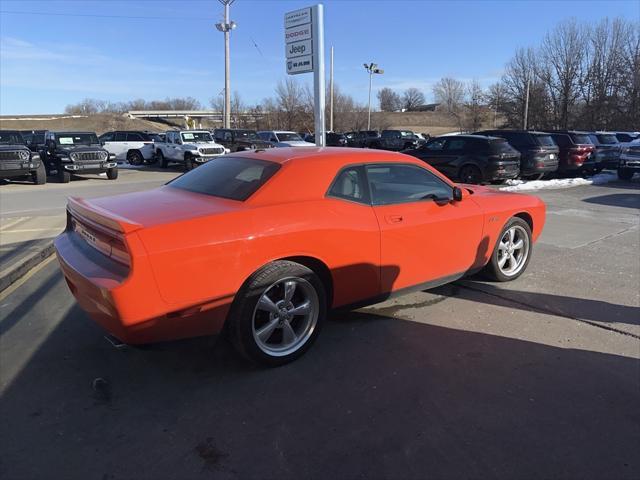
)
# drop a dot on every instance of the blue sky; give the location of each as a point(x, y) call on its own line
point(173, 49)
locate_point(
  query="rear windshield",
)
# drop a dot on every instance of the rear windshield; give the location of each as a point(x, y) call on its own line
point(235, 178)
point(11, 138)
point(607, 139)
point(501, 146)
point(77, 138)
point(580, 138)
point(545, 140)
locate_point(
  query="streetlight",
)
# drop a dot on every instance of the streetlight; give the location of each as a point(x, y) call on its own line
point(226, 27)
point(371, 68)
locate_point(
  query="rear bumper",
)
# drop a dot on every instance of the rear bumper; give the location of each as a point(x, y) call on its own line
point(126, 302)
point(504, 171)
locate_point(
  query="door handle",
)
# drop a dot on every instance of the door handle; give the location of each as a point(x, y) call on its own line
point(393, 218)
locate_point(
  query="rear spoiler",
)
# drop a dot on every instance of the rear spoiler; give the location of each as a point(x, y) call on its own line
point(100, 216)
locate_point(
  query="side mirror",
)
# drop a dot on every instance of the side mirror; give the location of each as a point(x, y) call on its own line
point(51, 148)
point(457, 194)
point(102, 142)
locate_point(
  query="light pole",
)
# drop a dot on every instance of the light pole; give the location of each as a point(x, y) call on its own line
point(226, 27)
point(371, 68)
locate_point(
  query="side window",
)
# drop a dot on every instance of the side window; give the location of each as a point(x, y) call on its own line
point(455, 144)
point(562, 140)
point(107, 137)
point(218, 134)
point(121, 137)
point(134, 137)
point(228, 136)
point(405, 183)
point(169, 137)
point(437, 144)
point(350, 185)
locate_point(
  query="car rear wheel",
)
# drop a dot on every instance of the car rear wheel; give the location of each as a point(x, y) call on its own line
point(40, 175)
point(134, 158)
point(278, 313)
point(625, 174)
point(470, 174)
point(512, 252)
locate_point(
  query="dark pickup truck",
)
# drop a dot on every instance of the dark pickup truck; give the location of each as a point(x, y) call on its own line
point(361, 138)
point(16, 160)
point(395, 140)
point(77, 153)
point(239, 140)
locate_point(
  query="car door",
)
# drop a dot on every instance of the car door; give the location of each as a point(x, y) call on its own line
point(423, 232)
point(120, 145)
point(433, 152)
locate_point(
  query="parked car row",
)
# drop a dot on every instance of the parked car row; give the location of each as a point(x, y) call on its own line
point(37, 154)
point(498, 155)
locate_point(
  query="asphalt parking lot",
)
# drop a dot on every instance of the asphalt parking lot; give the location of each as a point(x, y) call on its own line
point(533, 379)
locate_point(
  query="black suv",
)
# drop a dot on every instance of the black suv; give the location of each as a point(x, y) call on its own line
point(577, 151)
point(239, 140)
point(539, 153)
point(470, 158)
point(77, 152)
point(608, 149)
point(34, 139)
point(332, 139)
point(16, 160)
point(361, 138)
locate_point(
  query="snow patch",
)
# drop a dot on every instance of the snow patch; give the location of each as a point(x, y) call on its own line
point(524, 186)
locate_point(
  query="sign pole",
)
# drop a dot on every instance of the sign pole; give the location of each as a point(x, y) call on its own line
point(318, 73)
point(331, 93)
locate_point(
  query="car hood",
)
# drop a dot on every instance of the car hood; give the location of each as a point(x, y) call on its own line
point(160, 206)
point(6, 148)
point(195, 146)
point(295, 143)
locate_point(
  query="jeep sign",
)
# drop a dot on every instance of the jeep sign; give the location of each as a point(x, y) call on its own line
point(304, 52)
point(298, 49)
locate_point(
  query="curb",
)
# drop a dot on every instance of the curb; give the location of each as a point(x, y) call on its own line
point(26, 264)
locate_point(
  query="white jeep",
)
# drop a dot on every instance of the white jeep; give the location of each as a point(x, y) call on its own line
point(189, 147)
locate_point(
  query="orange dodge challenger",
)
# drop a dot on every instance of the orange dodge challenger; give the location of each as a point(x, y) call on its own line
point(265, 243)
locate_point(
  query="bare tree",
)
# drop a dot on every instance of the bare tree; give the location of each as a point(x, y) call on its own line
point(474, 106)
point(560, 61)
point(389, 100)
point(496, 96)
point(290, 101)
point(412, 98)
point(449, 92)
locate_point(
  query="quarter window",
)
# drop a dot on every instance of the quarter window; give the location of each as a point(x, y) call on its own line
point(107, 137)
point(350, 185)
point(456, 144)
point(405, 183)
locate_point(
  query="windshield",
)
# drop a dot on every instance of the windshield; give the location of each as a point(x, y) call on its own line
point(607, 139)
point(545, 140)
point(580, 138)
point(235, 178)
point(196, 137)
point(76, 138)
point(288, 137)
point(247, 135)
point(11, 138)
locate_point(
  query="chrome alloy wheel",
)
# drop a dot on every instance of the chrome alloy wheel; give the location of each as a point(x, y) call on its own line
point(285, 316)
point(513, 250)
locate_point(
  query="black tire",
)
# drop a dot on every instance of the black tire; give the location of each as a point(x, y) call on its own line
point(63, 175)
point(625, 173)
point(112, 173)
point(470, 174)
point(135, 158)
point(534, 176)
point(161, 159)
point(492, 269)
point(241, 317)
point(188, 163)
point(40, 175)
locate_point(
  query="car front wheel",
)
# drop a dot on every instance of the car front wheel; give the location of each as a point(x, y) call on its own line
point(470, 174)
point(512, 252)
point(278, 313)
point(40, 175)
point(625, 174)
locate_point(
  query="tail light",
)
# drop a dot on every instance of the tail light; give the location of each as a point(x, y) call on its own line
point(110, 244)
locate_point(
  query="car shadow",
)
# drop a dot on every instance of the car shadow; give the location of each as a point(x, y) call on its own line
point(579, 308)
point(628, 200)
point(376, 397)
